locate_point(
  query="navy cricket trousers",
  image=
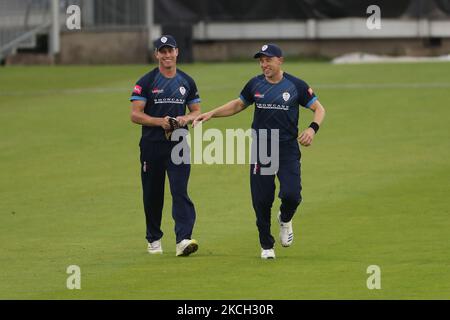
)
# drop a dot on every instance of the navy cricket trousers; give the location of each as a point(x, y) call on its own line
point(263, 190)
point(155, 162)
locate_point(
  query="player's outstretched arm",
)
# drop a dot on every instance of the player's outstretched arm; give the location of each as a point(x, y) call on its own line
point(194, 112)
point(307, 136)
point(228, 109)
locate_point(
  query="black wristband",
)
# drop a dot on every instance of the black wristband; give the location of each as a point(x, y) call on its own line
point(314, 126)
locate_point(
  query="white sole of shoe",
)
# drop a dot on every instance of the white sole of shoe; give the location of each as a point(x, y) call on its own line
point(285, 245)
point(190, 248)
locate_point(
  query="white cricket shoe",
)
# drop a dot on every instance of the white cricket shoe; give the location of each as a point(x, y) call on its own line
point(186, 247)
point(286, 232)
point(267, 254)
point(155, 247)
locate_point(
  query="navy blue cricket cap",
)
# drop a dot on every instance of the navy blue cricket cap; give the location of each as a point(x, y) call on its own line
point(165, 40)
point(269, 50)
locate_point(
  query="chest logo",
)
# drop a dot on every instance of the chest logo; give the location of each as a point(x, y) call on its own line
point(259, 95)
point(286, 96)
point(182, 90)
point(156, 90)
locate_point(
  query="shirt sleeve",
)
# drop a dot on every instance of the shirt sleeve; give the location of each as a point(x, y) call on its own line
point(193, 96)
point(246, 94)
point(306, 95)
point(140, 90)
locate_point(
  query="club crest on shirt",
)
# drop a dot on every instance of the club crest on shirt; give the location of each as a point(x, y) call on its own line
point(286, 96)
point(182, 90)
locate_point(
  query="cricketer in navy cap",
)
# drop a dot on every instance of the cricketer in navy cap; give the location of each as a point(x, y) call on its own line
point(165, 40)
point(269, 50)
point(277, 97)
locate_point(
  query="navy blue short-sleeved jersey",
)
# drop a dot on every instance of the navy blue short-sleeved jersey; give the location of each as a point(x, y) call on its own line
point(277, 105)
point(164, 97)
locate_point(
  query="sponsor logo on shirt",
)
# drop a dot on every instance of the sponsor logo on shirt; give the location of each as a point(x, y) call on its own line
point(137, 89)
point(156, 90)
point(272, 106)
point(169, 100)
point(259, 95)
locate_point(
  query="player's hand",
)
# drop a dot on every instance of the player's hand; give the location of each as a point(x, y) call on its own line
point(202, 118)
point(183, 120)
point(164, 123)
point(306, 137)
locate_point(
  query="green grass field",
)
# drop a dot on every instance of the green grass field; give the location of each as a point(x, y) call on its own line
point(375, 187)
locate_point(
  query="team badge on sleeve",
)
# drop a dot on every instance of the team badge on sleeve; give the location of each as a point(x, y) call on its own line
point(137, 89)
